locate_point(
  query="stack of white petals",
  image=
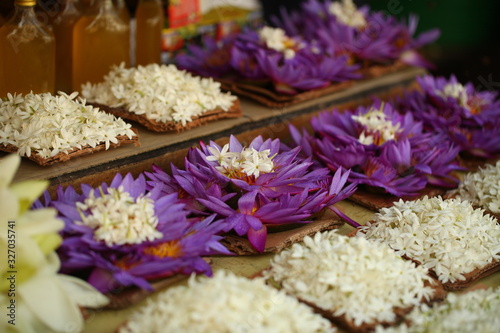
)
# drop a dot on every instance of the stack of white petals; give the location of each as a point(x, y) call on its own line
point(482, 188)
point(225, 303)
point(448, 236)
point(161, 93)
point(346, 12)
point(49, 125)
point(118, 218)
point(363, 280)
point(474, 311)
point(249, 161)
point(375, 121)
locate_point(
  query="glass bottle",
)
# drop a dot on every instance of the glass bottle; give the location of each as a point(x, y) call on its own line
point(101, 40)
point(27, 53)
point(149, 25)
point(122, 10)
point(63, 31)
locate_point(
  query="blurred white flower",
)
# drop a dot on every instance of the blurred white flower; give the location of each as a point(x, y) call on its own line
point(44, 300)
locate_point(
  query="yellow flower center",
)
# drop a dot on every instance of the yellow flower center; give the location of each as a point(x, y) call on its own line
point(172, 249)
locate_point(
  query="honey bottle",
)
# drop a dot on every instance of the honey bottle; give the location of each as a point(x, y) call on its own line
point(149, 24)
point(101, 40)
point(63, 31)
point(27, 53)
point(122, 10)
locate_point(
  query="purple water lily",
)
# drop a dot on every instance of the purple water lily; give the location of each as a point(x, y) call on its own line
point(382, 148)
point(211, 59)
point(121, 235)
point(267, 56)
point(372, 126)
point(469, 118)
point(255, 186)
point(364, 35)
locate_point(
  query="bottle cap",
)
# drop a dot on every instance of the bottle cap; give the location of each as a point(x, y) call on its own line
point(25, 2)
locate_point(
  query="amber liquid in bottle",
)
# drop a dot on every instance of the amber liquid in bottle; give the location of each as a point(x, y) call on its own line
point(149, 24)
point(27, 53)
point(122, 10)
point(101, 40)
point(63, 31)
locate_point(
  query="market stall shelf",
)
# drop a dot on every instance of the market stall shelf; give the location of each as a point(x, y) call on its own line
point(171, 147)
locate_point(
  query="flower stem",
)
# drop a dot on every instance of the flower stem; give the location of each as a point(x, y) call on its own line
point(346, 218)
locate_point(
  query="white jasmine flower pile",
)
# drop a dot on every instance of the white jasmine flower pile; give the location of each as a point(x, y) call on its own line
point(360, 279)
point(473, 311)
point(376, 121)
point(347, 13)
point(249, 161)
point(482, 188)
point(276, 39)
point(225, 303)
point(449, 236)
point(49, 125)
point(159, 92)
point(456, 91)
point(118, 218)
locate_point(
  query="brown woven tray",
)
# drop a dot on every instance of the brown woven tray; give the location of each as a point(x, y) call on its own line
point(281, 239)
point(473, 163)
point(76, 152)
point(375, 201)
point(271, 98)
point(349, 326)
point(470, 277)
point(171, 126)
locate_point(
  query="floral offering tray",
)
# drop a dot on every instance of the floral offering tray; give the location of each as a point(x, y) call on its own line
point(279, 240)
point(473, 277)
point(213, 115)
point(269, 97)
point(470, 278)
point(349, 326)
point(76, 152)
point(375, 201)
point(452, 195)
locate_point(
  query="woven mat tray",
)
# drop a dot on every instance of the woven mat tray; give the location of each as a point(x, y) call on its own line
point(349, 326)
point(470, 278)
point(283, 236)
point(271, 98)
point(376, 201)
point(171, 126)
point(76, 152)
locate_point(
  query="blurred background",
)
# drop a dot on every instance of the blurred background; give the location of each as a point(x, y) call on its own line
point(469, 46)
